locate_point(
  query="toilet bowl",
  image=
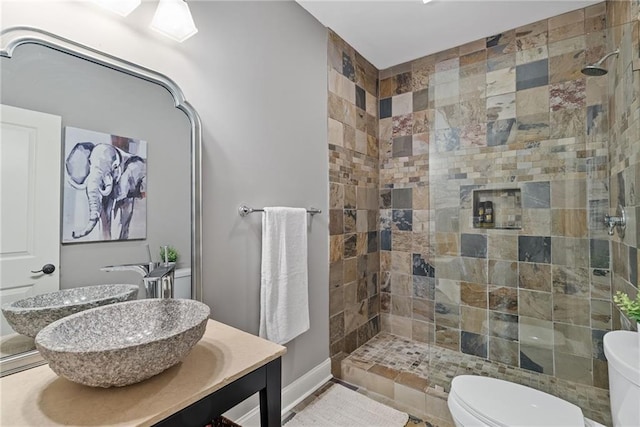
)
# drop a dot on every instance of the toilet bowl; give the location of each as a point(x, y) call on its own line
point(483, 401)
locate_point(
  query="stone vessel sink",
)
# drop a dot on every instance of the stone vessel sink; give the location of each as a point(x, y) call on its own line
point(29, 315)
point(124, 343)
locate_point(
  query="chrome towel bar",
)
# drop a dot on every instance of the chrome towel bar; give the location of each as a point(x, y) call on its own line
point(245, 210)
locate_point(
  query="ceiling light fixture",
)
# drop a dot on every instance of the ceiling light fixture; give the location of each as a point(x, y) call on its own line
point(174, 20)
point(426, 1)
point(121, 7)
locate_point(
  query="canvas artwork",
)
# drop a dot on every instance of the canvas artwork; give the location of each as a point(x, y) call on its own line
point(104, 187)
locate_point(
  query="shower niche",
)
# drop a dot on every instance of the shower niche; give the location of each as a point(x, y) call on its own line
point(497, 208)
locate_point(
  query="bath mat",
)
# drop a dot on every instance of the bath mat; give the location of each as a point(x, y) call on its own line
point(340, 407)
point(222, 422)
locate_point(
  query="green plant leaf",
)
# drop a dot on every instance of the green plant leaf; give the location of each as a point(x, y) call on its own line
point(172, 254)
point(628, 306)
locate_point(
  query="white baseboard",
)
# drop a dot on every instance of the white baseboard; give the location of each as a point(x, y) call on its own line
point(247, 414)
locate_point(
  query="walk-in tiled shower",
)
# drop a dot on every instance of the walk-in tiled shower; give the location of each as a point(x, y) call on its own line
point(511, 120)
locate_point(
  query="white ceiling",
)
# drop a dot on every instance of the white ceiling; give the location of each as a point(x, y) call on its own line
point(391, 32)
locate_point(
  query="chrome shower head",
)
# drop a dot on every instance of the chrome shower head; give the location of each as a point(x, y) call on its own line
point(592, 70)
point(596, 69)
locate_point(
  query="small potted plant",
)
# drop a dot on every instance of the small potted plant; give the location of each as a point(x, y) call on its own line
point(628, 306)
point(171, 254)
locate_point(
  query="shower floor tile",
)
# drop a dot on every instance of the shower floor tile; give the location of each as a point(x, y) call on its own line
point(434, 368)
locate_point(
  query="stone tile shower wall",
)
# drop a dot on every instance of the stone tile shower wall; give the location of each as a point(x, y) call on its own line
point(510, 111)
point(354, 299)
point(624, 145)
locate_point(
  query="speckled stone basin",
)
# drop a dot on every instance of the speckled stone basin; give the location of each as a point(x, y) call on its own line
point(29, 315)
point(125, 343)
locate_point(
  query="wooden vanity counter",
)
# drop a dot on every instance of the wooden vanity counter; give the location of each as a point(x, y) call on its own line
point(221, 370)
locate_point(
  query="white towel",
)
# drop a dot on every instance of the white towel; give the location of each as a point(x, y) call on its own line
point(284, 298)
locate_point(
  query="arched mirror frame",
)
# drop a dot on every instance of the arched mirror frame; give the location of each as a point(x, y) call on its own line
point(13, 37)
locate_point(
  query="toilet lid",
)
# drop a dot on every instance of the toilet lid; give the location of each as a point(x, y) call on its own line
point(502, 403)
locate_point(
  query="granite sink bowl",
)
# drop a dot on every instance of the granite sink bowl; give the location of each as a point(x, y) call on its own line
point(29, 315)
point(124, 343)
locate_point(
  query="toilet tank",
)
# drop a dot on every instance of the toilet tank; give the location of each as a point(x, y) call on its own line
point(182, 283)
point(622, 349)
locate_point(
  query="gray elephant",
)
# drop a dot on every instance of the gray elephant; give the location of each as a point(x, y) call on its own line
point(112, 179)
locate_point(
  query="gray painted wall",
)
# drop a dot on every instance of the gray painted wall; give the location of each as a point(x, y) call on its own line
point(265, 146)
point(93, 97)
point(257, 74)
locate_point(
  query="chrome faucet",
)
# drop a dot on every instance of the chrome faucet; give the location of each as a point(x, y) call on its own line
point(142, 269)
point(159, 282)
point(619, 221)
point(158, 277)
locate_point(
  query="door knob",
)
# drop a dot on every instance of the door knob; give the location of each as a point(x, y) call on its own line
point(46, 269)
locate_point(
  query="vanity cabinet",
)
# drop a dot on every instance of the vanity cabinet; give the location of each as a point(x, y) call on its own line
point(223, 369)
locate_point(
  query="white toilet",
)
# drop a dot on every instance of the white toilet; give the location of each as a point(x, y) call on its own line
point(483, 401)
point(622, 349)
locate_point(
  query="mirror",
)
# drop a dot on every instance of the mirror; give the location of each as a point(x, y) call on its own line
point(105, 101)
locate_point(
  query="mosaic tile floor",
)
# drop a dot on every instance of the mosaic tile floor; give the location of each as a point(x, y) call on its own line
point(396, 357)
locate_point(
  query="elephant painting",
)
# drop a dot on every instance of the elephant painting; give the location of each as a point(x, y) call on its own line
point(112, 183)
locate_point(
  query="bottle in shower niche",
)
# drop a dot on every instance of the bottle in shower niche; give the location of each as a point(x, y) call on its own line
point(478, 218)
point(488, 215)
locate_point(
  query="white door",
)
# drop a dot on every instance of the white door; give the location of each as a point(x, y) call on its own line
point(30, 150)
